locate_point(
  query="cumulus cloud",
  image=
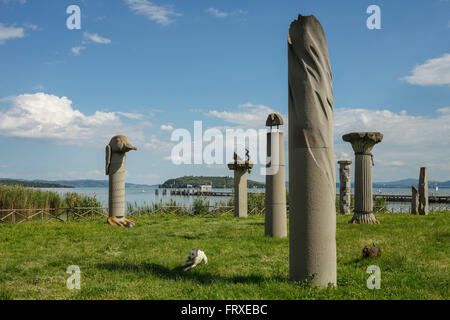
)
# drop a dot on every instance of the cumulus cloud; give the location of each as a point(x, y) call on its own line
point(166, 127)
point(248, 115)
point(156, 144)
point(410, 141)
point(163, 15)
point(96, 38)
point(42, 115)
point(433, 72)
point(8, 33)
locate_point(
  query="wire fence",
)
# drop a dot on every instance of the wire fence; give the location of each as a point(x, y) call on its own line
point(16, 216)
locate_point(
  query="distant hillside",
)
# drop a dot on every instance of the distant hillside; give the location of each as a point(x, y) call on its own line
point(216, 182)
point(32, 184)
point(74, 183)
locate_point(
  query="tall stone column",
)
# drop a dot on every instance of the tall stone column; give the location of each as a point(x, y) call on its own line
point(275, 217)
point(240, 168)
point(362, 144)
point(312, 177)
point(115, 168)
point(423, 191)
point(344, 186)
point(414, 200)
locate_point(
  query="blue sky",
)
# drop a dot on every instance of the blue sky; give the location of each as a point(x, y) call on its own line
point(144, 68)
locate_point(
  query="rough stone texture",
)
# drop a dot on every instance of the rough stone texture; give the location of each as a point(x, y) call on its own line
point(240, 168)
point(423, 191)
point(362, 144)
point(115, 167)
point(312, 177)
point(345, 186)
point(414, 200)
point(275, 217)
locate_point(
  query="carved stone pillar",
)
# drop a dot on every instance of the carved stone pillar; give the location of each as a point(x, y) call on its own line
point(115, 168)
point(344, 186)
point(414, 200)
point(240, 168)
point(362, 144)
point(423, 191)
point(312, 176)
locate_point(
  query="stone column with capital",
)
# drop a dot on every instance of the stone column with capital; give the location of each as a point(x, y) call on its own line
point(275, 216)
point(344, 186)
point(240, 168)
point(423, 191)
point(362, 144)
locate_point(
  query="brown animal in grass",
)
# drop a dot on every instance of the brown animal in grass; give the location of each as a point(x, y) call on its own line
point(371, 252)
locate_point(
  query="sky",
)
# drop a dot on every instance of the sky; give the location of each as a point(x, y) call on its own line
point(148, 68)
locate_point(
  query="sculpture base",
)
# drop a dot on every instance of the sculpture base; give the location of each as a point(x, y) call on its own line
point(363, 218)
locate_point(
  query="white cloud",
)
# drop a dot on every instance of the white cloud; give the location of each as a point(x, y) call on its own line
point(163, 15)
point(156, 144)
point(166, 127)
point(223, 14)
point(216, 13)
point(131, 115)
point(76, 51)
point(8, 33)
point(96, 38)
point(432, 72)
point(409, 141)
point(42, 115)
point(248, 115)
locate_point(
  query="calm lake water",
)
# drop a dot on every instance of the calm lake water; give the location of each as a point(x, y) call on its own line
point(146, 195)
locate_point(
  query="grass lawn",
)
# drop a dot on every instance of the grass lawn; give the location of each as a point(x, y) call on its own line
point(143, 262)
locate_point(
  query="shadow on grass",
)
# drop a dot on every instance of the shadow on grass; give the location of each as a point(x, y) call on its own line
point(177, 273)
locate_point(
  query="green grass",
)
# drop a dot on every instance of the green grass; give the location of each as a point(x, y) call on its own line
point(143, 262)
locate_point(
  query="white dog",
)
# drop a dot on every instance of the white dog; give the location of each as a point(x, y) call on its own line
point(196, 256)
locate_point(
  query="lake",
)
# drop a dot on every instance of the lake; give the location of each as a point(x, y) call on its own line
point(146, 195)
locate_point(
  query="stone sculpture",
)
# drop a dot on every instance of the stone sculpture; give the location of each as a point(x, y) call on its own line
point(362, 144)
point(344, 186)
point(240, 168)
point(414, 200)
point(423, 191)
point(312, 179)
point(115, 168)
point(275, 217)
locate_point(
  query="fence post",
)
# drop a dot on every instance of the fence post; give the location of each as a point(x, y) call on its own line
point(13, 216)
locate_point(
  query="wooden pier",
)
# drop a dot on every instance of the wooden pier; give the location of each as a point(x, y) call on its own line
point(407, 198)
point(195, 192)
point(387, 197)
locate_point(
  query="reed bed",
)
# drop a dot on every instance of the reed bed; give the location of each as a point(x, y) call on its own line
point(16, 197)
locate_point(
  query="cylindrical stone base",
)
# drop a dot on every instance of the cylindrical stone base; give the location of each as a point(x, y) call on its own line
point(240, 193)
point(275, 216)
point(117, 185)
point(312, 217)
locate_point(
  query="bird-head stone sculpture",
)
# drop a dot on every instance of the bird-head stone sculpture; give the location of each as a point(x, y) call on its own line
point(115, 157)
point(118, 144)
